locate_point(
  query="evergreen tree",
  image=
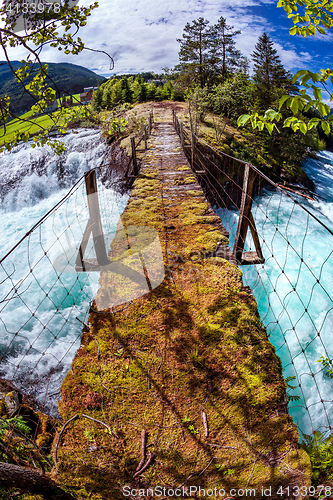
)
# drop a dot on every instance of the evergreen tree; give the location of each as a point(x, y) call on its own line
point(97, 99)
point(126, 94)
point(193, 53)
point(224, 57)
point(269, 73)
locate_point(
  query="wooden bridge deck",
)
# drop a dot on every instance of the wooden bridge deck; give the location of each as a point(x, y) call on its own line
point(178, 188)
point(184, 374)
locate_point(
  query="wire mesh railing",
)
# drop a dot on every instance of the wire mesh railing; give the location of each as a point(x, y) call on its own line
point(285, 253)
point(50, 278)
point(44, 300)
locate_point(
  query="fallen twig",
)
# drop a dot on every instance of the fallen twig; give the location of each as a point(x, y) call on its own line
point(102, 423)
point(147, 464)
point(158, 369)
point(98, 353)
point(59, 436)
point(205, 423)
point(143, 449)
point(219, 446)
point(212, 460)
point(84, 324)
point(107, 389)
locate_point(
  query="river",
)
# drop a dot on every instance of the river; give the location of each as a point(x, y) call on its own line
point(294, 289)
point(42, 306)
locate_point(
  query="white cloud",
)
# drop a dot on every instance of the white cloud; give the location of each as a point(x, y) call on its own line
point(290, 58)
point(141, 34)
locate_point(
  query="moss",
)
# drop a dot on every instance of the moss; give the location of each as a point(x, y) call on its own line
point(194, 343)
point(193, 192)
point(189, 180)
point(183, 168)
point(211, 239)
point(180, 181)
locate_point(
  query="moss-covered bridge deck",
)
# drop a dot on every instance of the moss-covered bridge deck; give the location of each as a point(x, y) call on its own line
point(189, 363)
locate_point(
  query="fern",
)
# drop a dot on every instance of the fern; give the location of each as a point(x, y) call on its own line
point(291, 397)
point(320, 451)
point(16, 423)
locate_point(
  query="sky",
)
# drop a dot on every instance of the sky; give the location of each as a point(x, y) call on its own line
point(141, 35)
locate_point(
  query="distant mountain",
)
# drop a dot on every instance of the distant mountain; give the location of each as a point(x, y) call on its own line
point(69, 78)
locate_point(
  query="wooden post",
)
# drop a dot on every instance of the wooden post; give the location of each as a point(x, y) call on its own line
point(245, 210)
point(79, 264)
point(255, 238)
point(192, 150)
point(135, 162)
point(181, 134)
point(145, 136)
point(149, 124)
point(95, 219)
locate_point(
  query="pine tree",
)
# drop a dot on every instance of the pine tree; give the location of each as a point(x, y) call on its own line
point(126, 94)
point(269, 73)
point(193, 53)
point(97, 99)
point(224, 57)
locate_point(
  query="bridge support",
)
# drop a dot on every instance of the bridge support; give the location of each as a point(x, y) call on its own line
point(94, 226)
point(246, 220)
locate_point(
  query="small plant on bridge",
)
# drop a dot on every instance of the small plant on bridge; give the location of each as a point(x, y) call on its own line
point(326, 364)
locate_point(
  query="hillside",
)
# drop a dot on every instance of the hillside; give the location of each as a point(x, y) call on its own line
point(69, 78)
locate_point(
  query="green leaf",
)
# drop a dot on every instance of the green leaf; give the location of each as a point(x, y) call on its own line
point(316, 77)
point(303, 128)
point(294, 105)
point(298, 74)
point(269, 127)
point(282, 100)
point(270, 114)
point(242, 120)
point(305, 77)
point(316, 93)
point(323, 109)
point(326, 127)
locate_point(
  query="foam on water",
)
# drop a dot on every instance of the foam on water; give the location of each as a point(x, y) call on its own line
point(40, 328)
point(294, 289)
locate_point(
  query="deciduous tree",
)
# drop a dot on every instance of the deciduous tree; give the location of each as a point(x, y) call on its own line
point(309, 17)
point(34, 26)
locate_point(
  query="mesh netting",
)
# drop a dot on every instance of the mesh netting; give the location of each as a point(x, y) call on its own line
point(44, 301)
point(292, 286)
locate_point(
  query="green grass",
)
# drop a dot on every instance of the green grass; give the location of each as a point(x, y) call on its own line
point(35, 124)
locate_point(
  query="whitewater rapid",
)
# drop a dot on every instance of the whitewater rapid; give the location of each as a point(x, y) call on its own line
point(294, 289)
point(42, 307)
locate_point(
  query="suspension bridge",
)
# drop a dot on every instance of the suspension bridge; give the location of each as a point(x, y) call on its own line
point(173, 359)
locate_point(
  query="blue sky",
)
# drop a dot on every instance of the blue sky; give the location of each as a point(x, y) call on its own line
point(141, 34)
